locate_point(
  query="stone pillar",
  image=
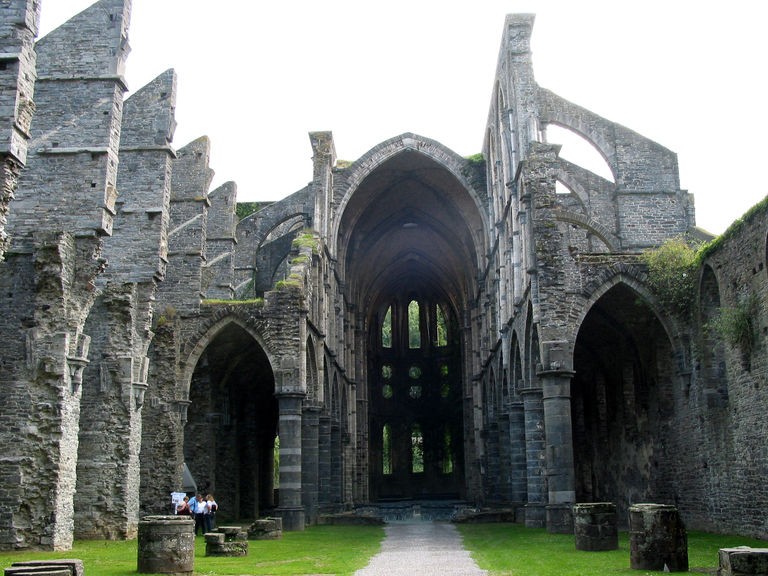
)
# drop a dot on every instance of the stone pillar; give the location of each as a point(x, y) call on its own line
point(561, 478)
point(657, 538)
point(290, 507)
point(324, 461)
point(594, 526)
point(310, 469)
point(166, 545)
point(518, 473)
point(535, 512)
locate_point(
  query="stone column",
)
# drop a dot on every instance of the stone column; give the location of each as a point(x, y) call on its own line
point(518, 473)
point(561, 478)
point(535, 513)
point(290, 507)
point(594, 526)
point(324, 461)
point(310, 468)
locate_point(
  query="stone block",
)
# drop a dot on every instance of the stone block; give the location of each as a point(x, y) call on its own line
point(74, 565)
point(743, 561)
point(594, 526)
point(657, 538)
point(214, 538)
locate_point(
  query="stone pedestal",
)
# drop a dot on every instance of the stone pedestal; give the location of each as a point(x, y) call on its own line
point(266, 529)
point(743, 561)
point(226, 541)
point(594, 526)
point(657, 538)
point(166, 545)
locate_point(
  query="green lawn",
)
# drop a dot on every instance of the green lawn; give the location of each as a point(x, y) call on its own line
point(317, 550)
point(511, 549)
point(502, 549)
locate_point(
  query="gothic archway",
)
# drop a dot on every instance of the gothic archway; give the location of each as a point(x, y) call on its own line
point(229, 438)
point(622, 396)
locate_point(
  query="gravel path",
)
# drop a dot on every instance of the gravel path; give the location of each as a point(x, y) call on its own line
point(421, 549)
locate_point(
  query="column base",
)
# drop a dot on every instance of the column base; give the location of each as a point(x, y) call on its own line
point(535, 516)
point(293, 518)
point(560, 519)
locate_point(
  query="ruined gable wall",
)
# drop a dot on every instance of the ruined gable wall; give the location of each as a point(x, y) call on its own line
point(19, 20)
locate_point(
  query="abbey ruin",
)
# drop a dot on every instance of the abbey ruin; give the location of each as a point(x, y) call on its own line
point(412, 326)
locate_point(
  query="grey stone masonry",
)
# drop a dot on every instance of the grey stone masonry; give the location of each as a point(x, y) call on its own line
point(219, 268)
point(72, 177)
point(64, 203)
point(181, 291)
point(138, 250)
point(19, 20)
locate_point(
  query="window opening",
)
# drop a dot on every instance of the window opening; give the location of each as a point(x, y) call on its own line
point(442, 326)
point(417, 450)
point(414, 328)
point(386, 329)
point(447, 453)
point(386, 450)
point(276, 459)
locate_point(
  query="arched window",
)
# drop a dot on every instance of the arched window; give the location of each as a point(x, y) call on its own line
point(414, 328)
point(386, 450)
point(441, 326)
point(447, 464)
point(417, 450)
point(386, 329)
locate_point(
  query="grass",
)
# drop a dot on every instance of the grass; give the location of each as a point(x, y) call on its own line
point(512, 549)
point(317, 550)
point(502, 549)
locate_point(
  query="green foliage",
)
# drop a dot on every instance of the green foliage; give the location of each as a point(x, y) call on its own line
point(307, 239)
point(476, 159)
point(293, 282)
point(300, 260)
point(738, 325)
point(672, 274)
point(245, 209)
point(756, 210)
point(167, 316)
point(317, 550)
point(506, 549)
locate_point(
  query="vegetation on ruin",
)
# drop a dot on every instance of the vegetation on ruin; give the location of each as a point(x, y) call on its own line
point(167, 316)
point(303, 259)
point(502, 549)
point(317, 550)
point(306, 239)
point(293, 282)
point(223, 302)
point(738, 325)
point(734, 229)
point(505, 549)
point(672, 274)
point(245, 209)
point(342, 164)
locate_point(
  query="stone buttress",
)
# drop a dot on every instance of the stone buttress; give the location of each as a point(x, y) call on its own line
point(64, 207)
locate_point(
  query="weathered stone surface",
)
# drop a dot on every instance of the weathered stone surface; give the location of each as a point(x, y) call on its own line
point(657, 538)
point(166, 545)
point(594, 526)
point(743, 560)
point(543, 365)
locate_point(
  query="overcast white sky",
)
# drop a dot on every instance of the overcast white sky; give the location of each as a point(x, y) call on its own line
point(256, 77)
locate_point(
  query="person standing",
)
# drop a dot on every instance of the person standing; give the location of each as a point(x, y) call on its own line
point(210, 517)
point(198, 508)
